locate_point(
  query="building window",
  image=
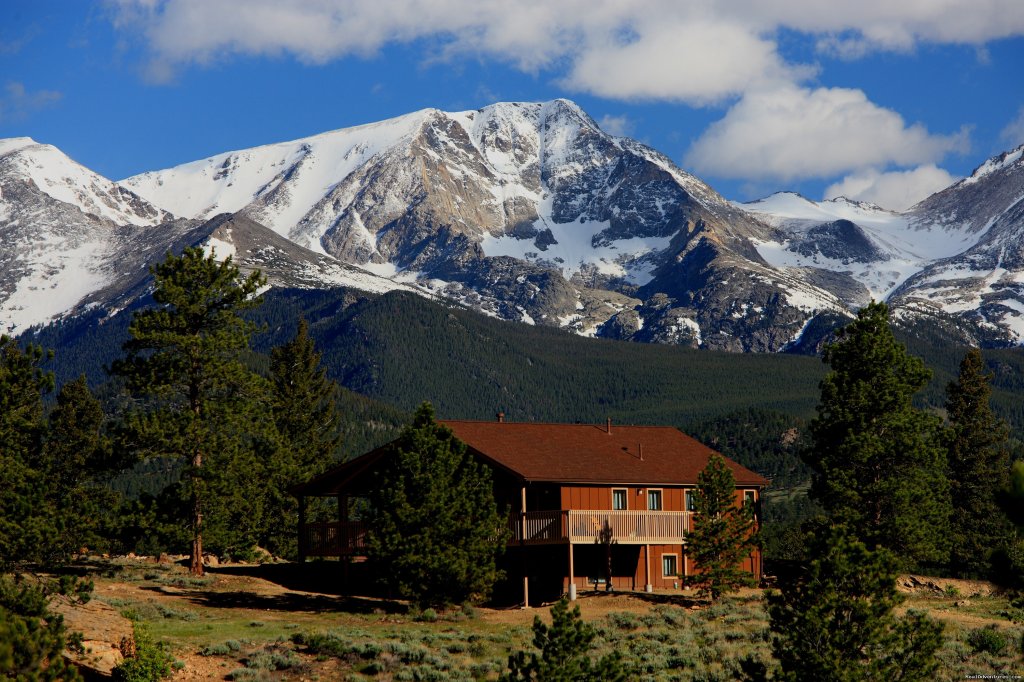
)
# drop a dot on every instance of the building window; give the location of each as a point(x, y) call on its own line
point(669, 567)
point(691, 500)
point(654, 500)
point(618, 498)
point(748, 497)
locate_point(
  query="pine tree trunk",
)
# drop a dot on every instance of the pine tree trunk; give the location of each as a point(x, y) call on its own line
point(196, 560)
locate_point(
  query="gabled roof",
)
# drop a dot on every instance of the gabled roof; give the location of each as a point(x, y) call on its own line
point(563, 453)
point(585, 453)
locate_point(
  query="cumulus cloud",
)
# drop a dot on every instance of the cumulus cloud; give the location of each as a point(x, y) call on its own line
point(1013, 133)
point(895, 190)
point(696, 51)
point(792, 133)
point(16, 102)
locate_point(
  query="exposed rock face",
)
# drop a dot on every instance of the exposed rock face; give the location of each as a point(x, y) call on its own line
point(527, 212)
point(107, 636)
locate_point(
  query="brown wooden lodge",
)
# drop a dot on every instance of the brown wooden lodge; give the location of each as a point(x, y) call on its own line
point(566, 484)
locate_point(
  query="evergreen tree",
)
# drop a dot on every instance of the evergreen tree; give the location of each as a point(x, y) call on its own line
point(26, 529)
point(434, 531)
point(564, 649)
point(303, 402)
point(32, 639)
point(723, 534)
point(979, 470)
point(836, 622)
point(183, 355)
point(877, 459)
point(76, 456)
point(306, 419)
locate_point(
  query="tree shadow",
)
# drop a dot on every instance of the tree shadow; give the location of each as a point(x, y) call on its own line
point(660, 598)
point(293, 602)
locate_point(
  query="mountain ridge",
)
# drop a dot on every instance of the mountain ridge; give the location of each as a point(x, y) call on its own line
point(530, 212)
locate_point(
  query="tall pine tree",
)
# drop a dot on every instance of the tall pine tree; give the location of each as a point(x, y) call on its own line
point(877, 460)
point(723, 534)
point(434, 528)
point(183, 355)
point(979, 470)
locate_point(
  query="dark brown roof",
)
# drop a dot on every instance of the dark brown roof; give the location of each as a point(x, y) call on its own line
point(565, 453)
point(584, 453)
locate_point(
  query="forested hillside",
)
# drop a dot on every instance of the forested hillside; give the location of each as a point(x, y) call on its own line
point(401, 349)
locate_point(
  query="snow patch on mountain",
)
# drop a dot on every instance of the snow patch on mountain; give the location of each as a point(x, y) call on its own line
point(902, 248)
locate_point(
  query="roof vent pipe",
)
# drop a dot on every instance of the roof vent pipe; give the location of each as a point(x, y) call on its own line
point(501, 417)
point(640, 449)
point(608, 426)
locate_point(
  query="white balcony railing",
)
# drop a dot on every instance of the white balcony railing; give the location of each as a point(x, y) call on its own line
point(593, 525)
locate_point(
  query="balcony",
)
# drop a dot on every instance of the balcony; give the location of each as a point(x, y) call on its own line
point(587, 526)
point(560, 526)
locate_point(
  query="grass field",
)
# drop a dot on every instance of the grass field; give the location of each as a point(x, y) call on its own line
point(286, 622)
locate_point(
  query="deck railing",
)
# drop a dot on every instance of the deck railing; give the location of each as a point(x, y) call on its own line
point(334, 538)
point(591, 525)
point(558, 526)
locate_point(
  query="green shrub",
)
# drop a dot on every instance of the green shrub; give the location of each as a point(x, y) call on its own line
point(426, 616)
point(987, 640)
point(151, 661)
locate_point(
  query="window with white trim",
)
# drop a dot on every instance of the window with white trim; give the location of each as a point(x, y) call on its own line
point(654, 499)
point(618, 498)
point(669, 566)
point(691, 500)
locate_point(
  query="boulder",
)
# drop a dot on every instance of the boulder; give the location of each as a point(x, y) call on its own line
point(107, 636)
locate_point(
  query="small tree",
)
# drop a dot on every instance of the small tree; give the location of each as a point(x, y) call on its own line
point(564, 652)
point(32, 638)
point(306, 420)
point(76, 457)
point(979, 470)
point(878, 461)
point(836, 622)
point(183, 355)
point(26, 527)
point(723, 534)
point(434, 532)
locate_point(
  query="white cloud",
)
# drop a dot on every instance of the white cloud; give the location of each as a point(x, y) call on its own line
point(16, 102)
point(699, 62)
point(697, 51)
point(1013, 133)
point(792, 133)
point(616, 125)
point(895, 190)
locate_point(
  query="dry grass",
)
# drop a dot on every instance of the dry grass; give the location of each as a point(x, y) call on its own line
point(238, 624)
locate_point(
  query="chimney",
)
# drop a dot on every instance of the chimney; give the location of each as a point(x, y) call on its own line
point(608, 426)
point(501, 417)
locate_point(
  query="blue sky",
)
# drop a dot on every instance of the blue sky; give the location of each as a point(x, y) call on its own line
point(878, 102)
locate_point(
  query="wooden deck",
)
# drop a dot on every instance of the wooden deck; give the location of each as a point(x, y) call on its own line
point(587, 526)
point(560, 526)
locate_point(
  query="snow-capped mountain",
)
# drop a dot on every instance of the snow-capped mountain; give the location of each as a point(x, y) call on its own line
point(73, 240)
point(65, 232)
point(527, 211)
point(956, 258)
point(524, 211)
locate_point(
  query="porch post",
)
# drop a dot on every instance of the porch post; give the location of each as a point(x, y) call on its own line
point(522, 541)
point(302, 528)
point(647, 569)
point(572, 576)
